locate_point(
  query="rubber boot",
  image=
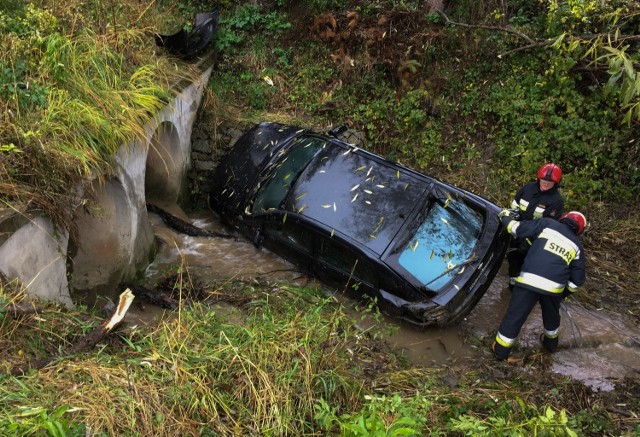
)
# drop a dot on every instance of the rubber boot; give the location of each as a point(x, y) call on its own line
point(549, 344)
point(500, 352)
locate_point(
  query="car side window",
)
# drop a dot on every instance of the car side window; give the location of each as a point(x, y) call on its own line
point(346, 261)
point(283, 172)
point(292, 235)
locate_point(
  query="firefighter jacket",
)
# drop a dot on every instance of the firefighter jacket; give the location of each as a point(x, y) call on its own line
point(534, 203)
point(554, 261)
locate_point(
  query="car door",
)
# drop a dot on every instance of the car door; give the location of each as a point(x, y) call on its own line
point(340, 266)
point(289, 239)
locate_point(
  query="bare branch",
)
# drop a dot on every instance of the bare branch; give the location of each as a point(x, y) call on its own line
point(18, 310)
point(538, 43)
point(527, 47)
point(86, 342)
point(480, 26)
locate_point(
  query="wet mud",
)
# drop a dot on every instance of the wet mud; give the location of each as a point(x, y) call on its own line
point(596, 347)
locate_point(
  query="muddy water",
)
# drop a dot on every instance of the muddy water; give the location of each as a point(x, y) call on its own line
point(595, 347)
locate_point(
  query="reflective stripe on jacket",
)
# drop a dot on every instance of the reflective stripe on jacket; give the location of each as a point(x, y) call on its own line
point(555, 259)
point(534, 203)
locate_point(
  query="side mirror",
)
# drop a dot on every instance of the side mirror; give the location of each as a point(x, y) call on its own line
point(336, 131)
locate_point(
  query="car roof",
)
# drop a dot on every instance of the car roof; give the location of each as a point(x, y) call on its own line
point(358, 194)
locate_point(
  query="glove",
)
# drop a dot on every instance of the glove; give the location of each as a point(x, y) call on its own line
point(566, 293)
point(513, 214)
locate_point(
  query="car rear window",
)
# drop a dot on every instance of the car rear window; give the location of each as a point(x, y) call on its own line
point(442, 244)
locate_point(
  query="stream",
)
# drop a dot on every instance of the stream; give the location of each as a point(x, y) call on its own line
point(596, 347)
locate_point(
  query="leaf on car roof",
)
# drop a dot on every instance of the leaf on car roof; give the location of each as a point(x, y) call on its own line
point(355, 187)
point(347, 152)
point(354, 198)
point(380, 221)
point(398, 174)
point(301, 208)
point(284, 218)
point(444, 220)
point(433, 252)
point(369, 172)
point(334, 206)
point(380, 186)
point(368, 191)
point(415, 246)
point(326, 205)
point(300, 196)
point(367, 202)
point(361, 168)
point(333, 231)
point(372, 236)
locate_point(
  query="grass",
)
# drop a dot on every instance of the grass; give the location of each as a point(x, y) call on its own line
point(72, 97)
point(198, 372)
point(286, 361)
point(282, 360)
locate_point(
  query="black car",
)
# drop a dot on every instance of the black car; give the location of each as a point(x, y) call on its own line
point(427, 251)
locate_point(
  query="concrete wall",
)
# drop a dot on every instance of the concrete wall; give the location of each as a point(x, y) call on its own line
point(115, 239)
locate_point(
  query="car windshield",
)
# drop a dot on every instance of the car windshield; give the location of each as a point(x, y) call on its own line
point(443, 243)
point(284, 171)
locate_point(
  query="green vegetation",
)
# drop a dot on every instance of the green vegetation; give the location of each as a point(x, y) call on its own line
point(285, 361)
point(453, 96)
point(73, 90)
point(479, 96)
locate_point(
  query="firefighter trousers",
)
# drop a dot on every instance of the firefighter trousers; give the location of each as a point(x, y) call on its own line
point(522, 302)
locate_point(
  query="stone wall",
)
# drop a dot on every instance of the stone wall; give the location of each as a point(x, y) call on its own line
point(210, 140)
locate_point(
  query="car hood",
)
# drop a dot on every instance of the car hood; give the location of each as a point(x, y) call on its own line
point(238, 170)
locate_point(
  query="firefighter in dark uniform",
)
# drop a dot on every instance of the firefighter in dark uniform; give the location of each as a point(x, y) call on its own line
point(553, 269)
point(536, 199)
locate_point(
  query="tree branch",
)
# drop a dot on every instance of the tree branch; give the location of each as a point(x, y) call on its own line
point(540, 43)
point(481, 26)
point(87, 342)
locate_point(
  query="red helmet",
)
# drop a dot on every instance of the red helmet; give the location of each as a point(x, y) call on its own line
point(550, 172)
point(576, 217)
